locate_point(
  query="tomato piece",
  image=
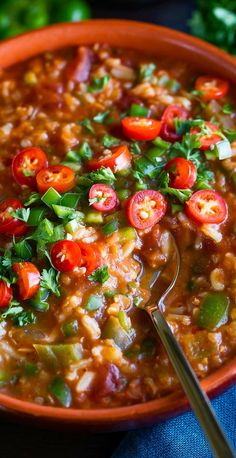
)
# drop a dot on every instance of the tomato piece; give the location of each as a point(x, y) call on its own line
point(65, 255)
point(80, 67)
point(8, 224)
point(208, 139)
point(91, 256)
point(183, 173)
point(168, 129)
point(28, 280)
point(26, 164)
point(206, 207)
point(103, 197)
point(211, 87)
point(60, 177)
point(137, 128)
point(5, 294)
point(146, 208)
point(118, 159)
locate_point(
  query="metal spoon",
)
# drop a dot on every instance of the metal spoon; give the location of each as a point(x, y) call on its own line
point(198, 399)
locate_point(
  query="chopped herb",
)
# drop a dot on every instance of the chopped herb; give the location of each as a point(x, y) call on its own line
point(163, 185)
point(101, 117)
point(108, 140)
point(85, 151)
point(103, 175)
point(99, 275)
point(146, 71)
point(188, 148)
point(138, 110)
point(135, 148)
point(18, 315)
point(86, 123)
point(98, 84)
point(230, 134)
point(33, 198)
point(49, 280)
point(23, 249)
point(228, 108)
point(22, 214)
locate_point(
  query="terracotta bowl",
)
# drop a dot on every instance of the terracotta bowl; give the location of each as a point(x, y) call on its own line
point(153, 40)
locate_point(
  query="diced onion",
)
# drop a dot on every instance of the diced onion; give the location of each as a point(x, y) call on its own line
point(223, 149)
point(212, 231)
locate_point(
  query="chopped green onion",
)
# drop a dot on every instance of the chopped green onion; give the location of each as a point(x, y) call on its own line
point(110, 227)
point(93, 217)
point(86, 123)
point(108, 141)
point(123, 194)
point(223, 149)
point(70, 328)
point(93, 303)
point(98, 84)
point(124, 320)
point(101, 117)
point(60, 390)
point(135, 148)
point(37, 214)
point(126, 234)
point(72, 226)
point(85, 151)
point(138, 110)
point(213, 310)
point(70, 199)
point(50, 197)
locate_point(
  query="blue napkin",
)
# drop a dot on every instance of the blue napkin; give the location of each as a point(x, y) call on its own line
point(180, 437)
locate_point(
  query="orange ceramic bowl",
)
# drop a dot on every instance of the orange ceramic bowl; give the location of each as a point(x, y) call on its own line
point(153, 40)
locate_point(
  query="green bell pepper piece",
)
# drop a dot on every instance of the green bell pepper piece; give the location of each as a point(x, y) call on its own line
point(213, 311)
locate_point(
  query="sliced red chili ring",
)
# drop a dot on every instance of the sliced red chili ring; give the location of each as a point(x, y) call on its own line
point(65, 255)
point(146, 208)
point(26, 164)
point(212, 88)
point(5, 294)
point(102, 197)
point(118, 159)
point(8, 224)
point(143, 129)
point(91, 256)
point(59, 177)
point(208, 139)
point(168, 128)
point(28, 280)
point(206, 207)
point(183, 173)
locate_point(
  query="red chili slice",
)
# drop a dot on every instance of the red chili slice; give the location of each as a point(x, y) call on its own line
point(104, 198)
point(8, 224)
point(26, 164)
point(211, 87)
point(206, 140)
point(28, 280)
point(146, 208)
point(5, 294)
point(91, 256)
point(59, 177)
point(183, 173)
point(206, 207)
point(168, 129)
point(140, 128)
point(118, 159)
point(65, 255)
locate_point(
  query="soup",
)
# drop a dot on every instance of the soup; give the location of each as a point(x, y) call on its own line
point(104, 153)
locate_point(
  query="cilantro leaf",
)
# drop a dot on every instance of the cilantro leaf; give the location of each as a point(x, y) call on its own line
point(102, 175)
point(24, 318)
point(163, 186)
point(98, 84)
point(86, 123)
point(100, 117)
point(108, 140)
point(188, 148)
point(49, 280)
point(22, 214)
point(99, 275)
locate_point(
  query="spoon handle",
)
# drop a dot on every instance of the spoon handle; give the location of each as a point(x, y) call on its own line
point(198, 399)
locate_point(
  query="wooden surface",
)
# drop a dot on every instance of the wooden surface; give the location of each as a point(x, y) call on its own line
point(30, 441)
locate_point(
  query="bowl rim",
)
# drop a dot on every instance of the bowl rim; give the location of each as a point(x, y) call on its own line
point(143, 37)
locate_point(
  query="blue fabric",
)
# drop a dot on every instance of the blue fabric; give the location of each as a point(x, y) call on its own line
point(180, 437)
